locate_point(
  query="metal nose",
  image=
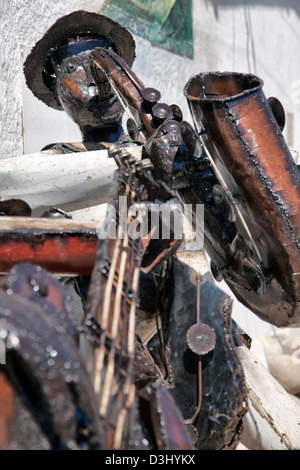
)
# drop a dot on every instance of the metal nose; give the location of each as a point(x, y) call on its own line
point(92, 94)
point(94, 100)
point(97, 84)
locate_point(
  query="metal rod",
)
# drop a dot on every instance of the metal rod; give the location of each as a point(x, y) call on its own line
point(120, 98)
point(197, 411)
point(224, 184)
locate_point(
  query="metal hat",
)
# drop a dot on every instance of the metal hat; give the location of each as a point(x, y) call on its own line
point(37, 68)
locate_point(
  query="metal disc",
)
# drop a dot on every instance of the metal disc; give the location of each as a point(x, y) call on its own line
point(161, 111)
point(201, 338)
point(151, 95)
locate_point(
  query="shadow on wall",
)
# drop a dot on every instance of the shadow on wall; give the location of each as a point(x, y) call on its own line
point(287, 5)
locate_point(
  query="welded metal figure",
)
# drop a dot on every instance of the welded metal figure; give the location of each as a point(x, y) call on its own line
point(83, 66)
point(177, 164)
point(58, 72)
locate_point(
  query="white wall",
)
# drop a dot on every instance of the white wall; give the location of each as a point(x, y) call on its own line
point(258, 36)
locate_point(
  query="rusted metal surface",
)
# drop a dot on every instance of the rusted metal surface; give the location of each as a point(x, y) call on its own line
point(261, 264)
point(60, 246)
point(38, 65)
point(43, 363)
point(7, 411)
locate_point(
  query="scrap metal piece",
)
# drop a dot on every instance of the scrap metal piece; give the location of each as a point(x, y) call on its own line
point(190, 138)
point(15, 207)
point(56, 213)
point(132, 129)
point(161, 111)
point(278, 111)
point(58, 245)
point(45, 368)
point(39, 286)
point(224, 396)
point(168, 426)
point(151, 95)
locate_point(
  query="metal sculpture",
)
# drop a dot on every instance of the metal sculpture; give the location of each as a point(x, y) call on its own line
point(117, 391)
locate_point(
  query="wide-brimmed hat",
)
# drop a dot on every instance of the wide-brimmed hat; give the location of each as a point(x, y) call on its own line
point(38, 75)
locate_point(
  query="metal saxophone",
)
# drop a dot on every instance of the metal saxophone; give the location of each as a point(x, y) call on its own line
point(258, 192)
point(250, 187)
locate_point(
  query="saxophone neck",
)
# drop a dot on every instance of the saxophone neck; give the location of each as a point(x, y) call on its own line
point(132, 93)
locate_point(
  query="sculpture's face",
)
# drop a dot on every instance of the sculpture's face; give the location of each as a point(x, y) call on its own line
point(83, 92)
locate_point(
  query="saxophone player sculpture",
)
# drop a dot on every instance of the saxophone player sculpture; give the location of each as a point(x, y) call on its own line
point(234, 162)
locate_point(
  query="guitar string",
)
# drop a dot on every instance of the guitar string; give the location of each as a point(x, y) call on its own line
point(115, 316)
point(129, 386)
point(104, 320)
point(117, 279)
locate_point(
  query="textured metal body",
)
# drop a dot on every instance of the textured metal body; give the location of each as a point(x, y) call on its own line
point(224, 396)
point(44, 375)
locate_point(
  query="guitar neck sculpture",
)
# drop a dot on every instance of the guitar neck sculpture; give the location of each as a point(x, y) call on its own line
point(113, 296)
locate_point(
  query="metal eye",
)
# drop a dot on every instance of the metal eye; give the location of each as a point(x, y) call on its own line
point(71, 68)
